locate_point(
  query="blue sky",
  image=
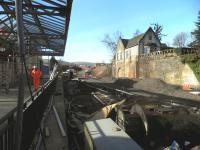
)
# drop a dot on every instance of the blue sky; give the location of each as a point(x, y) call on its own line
point(92, 19)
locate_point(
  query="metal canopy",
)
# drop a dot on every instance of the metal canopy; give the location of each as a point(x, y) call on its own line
point(45, 22)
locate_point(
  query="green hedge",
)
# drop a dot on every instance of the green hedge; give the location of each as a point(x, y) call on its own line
point(192, 60)
point(195, 66)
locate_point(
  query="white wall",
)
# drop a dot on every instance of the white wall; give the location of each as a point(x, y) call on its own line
point(119, 62)
point(133, 51)
point(146, 40)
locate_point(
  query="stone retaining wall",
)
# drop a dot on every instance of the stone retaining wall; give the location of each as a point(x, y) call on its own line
point(167, 66)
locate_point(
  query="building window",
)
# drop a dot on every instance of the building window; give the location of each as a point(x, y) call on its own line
point(119, 56)
point(150, 37)
point(146, 50)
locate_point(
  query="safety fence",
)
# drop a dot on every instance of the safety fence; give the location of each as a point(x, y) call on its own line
point(34, 109)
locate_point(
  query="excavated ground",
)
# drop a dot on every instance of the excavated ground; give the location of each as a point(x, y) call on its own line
point(166, 122)
point(150, 85)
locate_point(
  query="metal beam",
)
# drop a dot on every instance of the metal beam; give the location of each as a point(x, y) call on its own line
point(51, 20)
point(9, 17)
point(33, 5)
point(32, 23)
point(35, 12)
point(3, 22)
point(37, 21)
point(20, 102)
point(53, 3)
point(67, 19)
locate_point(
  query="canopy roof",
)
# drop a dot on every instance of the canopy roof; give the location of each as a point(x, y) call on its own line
point(45, 23)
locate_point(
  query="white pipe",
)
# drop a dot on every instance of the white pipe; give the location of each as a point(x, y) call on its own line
point(59, 122)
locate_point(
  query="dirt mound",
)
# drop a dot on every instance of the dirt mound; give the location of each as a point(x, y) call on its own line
point(107, 79)
point(159, 86)
point(154, 85)
point(126, 83)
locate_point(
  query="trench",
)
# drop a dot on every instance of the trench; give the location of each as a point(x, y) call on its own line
point(166, 122)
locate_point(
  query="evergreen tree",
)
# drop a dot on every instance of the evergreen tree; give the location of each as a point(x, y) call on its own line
point(158, 29)
point(196, 34)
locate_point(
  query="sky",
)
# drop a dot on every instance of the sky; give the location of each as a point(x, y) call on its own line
point(92, 19)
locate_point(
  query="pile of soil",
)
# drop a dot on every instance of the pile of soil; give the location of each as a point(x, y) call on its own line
point(159, 86)
point(126, 83)
point(155, 85)
point(151, 85)
point(107, 79)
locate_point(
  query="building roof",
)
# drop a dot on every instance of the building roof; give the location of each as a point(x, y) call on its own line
point(46, 24)
point(134, 41)
point(124, 42)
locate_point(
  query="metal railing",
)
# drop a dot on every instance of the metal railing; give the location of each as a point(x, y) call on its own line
point(32, 116)
point(7, 131)
point(171, 52)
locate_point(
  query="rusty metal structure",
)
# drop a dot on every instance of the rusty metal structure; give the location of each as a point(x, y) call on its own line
point(37, 28)
point(45, 24)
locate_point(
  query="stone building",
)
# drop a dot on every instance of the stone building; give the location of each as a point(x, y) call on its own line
point(128, 50)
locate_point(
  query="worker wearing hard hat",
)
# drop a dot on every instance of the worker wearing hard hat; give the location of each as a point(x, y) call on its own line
point(36, 74)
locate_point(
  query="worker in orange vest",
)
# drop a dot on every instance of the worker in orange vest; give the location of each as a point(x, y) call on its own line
point(36, 74)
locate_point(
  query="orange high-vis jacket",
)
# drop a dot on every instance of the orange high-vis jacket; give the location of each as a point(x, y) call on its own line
point(36, 74)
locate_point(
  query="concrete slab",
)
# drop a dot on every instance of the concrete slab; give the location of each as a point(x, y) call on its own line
point(105, 134)
point(5, 107)
point(55, 140)
point(8, 101)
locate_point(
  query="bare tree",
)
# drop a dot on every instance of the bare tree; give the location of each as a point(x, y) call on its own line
point(180, 39)
point(110, 41)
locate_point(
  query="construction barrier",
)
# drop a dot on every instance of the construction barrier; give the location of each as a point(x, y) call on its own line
point(186, 87)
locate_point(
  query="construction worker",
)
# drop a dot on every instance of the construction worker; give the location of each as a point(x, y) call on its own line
point(36, 74)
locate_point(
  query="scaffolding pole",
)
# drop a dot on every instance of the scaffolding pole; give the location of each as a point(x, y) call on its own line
point(20, 102)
